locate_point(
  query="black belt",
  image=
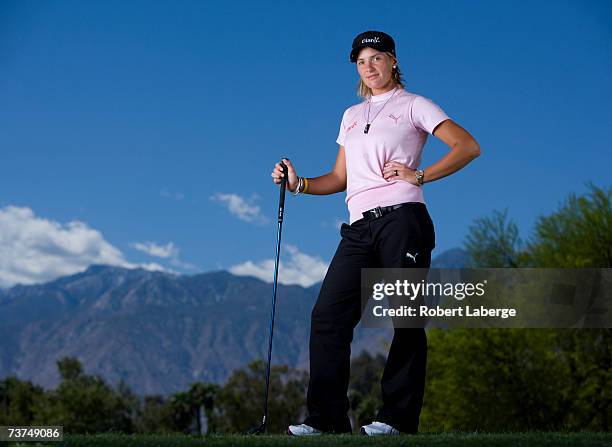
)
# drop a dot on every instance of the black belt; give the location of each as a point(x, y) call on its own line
point(380, 211)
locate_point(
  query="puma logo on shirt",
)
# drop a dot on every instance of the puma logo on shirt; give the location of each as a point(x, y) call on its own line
point(394, 118)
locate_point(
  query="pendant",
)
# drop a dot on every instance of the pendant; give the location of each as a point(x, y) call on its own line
point(367, 128)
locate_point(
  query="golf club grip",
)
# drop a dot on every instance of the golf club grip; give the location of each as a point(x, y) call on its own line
point(283, 188)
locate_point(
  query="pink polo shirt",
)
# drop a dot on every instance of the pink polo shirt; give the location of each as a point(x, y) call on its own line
point(398, 131)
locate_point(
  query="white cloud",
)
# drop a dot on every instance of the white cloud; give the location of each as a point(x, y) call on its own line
point(153, 249)
point(300, 268)
point(34, 250)
point(240, 207)
point(168, 251)
point(153, 266)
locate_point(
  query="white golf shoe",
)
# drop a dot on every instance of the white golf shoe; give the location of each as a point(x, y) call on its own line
point(378, 428)
point(303, 430)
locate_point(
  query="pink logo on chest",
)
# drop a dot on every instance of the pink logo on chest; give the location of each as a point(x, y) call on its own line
point(352, 126)
point(394, 118)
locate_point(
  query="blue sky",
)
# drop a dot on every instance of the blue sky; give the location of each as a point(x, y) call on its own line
point(141, 132)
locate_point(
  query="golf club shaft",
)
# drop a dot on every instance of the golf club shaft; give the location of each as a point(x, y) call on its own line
point(281, 207)
point(271, 330)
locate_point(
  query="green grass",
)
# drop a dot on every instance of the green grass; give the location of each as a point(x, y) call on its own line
point(425, 440)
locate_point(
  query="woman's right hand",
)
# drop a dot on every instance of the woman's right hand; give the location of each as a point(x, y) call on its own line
point(277, 174)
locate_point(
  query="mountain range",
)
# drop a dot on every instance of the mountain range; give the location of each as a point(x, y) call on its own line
point(157, 331)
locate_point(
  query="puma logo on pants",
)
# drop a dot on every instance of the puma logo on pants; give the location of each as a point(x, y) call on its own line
point(413, 257)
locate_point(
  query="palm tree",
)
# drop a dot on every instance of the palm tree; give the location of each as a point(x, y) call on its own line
point(201, 398)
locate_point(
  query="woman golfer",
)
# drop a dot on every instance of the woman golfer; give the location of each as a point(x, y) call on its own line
point(381, 140)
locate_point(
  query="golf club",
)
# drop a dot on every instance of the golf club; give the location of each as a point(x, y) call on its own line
point(281, 207)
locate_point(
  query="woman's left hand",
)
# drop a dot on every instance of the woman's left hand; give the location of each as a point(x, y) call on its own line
point(403, 172)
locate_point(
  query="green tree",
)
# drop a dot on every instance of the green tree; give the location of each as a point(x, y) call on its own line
point(578, 234)
point(495, 242)
point(182, 411)
point(239, 404)
point(17, 401)
point(524, 379)
point(155, 416)
point(191, 407)
point(492, 380)
point(70, 368)
point(586, 356)
point(202, 397)
point(83, 403)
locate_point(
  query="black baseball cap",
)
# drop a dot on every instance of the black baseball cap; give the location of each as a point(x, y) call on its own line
point(372, 39)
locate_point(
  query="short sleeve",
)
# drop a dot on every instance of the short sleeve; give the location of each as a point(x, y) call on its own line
point(342, 132)
point(426, 115)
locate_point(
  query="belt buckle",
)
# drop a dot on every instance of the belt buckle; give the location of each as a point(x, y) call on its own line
point(377, 212)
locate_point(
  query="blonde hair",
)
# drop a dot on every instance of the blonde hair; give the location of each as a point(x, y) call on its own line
point(396, 75)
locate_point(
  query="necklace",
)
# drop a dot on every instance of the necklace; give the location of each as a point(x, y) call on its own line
point(368, 122)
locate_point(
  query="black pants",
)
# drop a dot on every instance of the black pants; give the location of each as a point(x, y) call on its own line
point(382, 242)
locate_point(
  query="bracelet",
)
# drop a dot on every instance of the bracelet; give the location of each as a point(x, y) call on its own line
point(300, 185)
point(305, 185)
